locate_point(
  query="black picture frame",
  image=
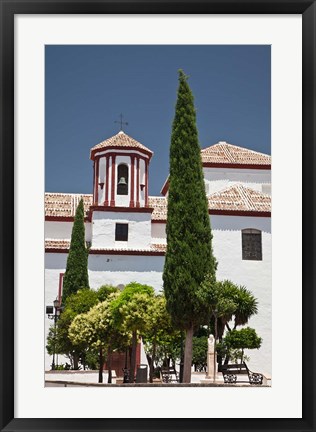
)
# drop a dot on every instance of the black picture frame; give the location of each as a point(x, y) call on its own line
point(8, 9)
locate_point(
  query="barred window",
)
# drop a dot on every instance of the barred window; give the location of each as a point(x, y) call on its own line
point(251, 244)
point(121, 232)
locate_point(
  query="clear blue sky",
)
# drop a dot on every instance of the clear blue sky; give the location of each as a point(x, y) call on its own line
point(87, 87)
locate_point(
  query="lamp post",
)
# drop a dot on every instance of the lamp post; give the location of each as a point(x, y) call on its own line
point(125, 370)
point(55, 316)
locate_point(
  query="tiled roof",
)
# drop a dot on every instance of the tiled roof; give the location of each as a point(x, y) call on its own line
point(234, 198)
point(224, 153)
point(120, 140)
point(240, 198)
point(159, 204)
point(159, 247)
point(64, 205)
point(60, 244)
point(57, 244)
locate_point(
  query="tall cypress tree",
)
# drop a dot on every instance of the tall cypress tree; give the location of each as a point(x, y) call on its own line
point(189, 255)
point(76, 275)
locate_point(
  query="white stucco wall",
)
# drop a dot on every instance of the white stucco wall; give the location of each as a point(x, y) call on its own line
point(158, 233)
point(103, 269)
point(103, 230)
point(62, 230)
point(54, 265)
point(142, 180)
point(254, 275)
point(217, 179)
point(101, 179)
point(122, 269)
point(227, 246)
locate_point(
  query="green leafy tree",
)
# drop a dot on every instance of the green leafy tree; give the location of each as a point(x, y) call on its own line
point(96, 330)
point(131, 312)
point(245, 338)
point(76, 275)
point(189, 255)
point(229, 302)
point(160, 337)
point(199, 357)
point(105, 290)
point(75, 304)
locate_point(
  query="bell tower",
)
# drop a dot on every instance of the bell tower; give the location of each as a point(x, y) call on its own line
point(120, 172)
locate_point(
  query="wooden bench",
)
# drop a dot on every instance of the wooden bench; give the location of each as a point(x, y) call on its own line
point(169, 375)
point(230, 372)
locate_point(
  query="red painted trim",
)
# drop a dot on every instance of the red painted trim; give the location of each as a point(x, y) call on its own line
point(94, 182)
point(60, 287)
point(56, 250)
point(146, 186)
point(109, 252)
point(132, 202)
point(229, 213)
point(112, 203)
point(59, 218)
point(97, 181)
point(63, 219)
point(94, 152)
point(236, 165)
point(137, 190)
point(122, 209)
point(239, 213)
point(125, 252)
point(165, 188)
point(107, 180)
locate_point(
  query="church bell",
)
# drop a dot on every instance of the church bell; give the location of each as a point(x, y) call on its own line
point(122, 181)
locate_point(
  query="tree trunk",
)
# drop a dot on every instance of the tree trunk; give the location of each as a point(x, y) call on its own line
point(151, 369)
point(133, 359)
point(76, 361)
point(109, 362)
point(101, 366)
point(188, 355)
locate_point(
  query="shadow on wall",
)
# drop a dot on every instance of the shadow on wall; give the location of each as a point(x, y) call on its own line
point(137, 263)
point(238, 223)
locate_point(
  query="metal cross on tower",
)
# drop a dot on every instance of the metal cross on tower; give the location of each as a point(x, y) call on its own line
point(121, 122)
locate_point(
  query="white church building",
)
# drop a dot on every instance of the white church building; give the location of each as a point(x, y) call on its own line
point(125, 227)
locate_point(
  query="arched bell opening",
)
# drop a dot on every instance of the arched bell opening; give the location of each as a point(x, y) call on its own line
point(122, 180)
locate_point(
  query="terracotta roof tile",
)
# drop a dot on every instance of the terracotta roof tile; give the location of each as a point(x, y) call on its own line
point(61, 244)
point(225, 153)
point(159, 247)
point(241, 198)
point(235, 197)
point(57, 244)
point(63, 204)
point(159, 204)
point(120, 140)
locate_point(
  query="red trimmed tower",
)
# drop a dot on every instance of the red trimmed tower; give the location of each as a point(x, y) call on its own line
point(121, 217)
point(120, 172)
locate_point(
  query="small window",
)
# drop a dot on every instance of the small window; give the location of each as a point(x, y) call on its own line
point(251, 245)
point(122, 179)
point(49, 310)
point(121, 232)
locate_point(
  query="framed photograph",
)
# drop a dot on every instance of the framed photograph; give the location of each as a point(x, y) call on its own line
point(98, 80)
